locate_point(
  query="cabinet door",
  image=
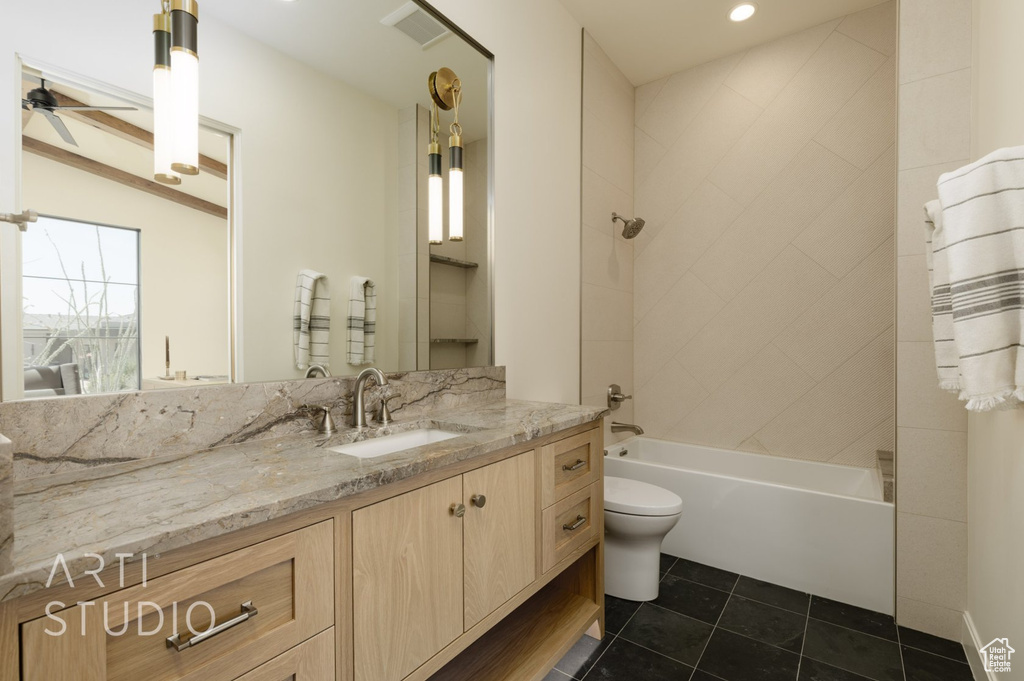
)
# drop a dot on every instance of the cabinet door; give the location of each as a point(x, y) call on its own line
point(407, 580)
point(501, 535)
point(309, 661)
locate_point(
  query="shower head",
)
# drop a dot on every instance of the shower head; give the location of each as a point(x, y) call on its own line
point(630, 227)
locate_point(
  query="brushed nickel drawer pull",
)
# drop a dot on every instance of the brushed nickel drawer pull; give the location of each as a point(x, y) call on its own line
point(248, 612)
point(458, 510)
point(580, 463)
point(576, 525)
point(479, 500)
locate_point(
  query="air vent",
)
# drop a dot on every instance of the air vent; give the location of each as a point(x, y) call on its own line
point(413, 21)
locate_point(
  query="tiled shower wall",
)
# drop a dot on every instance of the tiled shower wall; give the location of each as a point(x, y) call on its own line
point(607, 305)
point(764, 280)
point(931, 457)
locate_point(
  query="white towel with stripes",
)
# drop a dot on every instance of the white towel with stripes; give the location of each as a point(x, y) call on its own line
point(311, 321)
point(946, 358)
point(983, 225)
point(362, 321)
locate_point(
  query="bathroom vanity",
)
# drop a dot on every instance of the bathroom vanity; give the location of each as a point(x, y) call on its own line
point(479, 557)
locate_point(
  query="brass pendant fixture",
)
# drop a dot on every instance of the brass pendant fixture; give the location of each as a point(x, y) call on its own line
point(446, 92)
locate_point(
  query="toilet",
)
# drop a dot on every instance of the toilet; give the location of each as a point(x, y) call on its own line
point(637, 516)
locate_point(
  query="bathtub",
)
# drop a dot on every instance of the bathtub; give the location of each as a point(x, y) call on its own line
point(815, 527)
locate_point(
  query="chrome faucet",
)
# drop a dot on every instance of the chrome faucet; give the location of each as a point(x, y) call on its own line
point(315, 369)
point(624, 427)
point(359, 399)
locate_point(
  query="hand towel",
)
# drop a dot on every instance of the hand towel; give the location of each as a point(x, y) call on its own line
point(983, 222)
point(362, 321)
point(946, 358)
point(311, 321)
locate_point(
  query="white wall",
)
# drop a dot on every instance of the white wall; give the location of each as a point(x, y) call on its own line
point(313, 178)
point(995, 531)
point(537, 189)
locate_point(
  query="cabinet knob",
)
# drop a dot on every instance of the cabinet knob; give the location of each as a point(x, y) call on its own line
point(479, 500)
point(458, 510)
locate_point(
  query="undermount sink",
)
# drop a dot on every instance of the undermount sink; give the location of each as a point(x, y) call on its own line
point(389, 444)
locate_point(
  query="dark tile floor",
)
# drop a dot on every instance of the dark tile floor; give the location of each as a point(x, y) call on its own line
point(711, 625)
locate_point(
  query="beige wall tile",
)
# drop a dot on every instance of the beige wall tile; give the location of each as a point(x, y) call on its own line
point(646, 155)
point(685, 237)
point(828, 80)
point(676, 318)
point(664, 400)
point(864, 452)
point(745, 403)
point(766, 69)
point(607, 314)
point(874, 27)
point(856, 223)
point(866, 125)
point(812, 181)
point(929, 618)
point(607, 259)
point(600, 199)
point(772, 301)
point(753, 446)
point(932, 473)
point(607, 153)
point(931, 560)
point(935, 38)
point(689, 160)
point(915, 188)
point(921, 404)
point(839, 410)
point(914, 300)
point(844, 320)
point(645, 95)
point(935, 120)
point(681, 97)
point(604, 363)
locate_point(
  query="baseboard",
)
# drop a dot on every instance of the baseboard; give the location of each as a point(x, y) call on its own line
point(972, 644)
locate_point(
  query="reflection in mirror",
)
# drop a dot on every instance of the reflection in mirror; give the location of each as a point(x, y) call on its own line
point(315, 126)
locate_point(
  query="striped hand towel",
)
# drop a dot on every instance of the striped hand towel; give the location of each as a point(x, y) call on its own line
point(362, 321)
point(946, 358)
point(311, 321)
point(983, 222)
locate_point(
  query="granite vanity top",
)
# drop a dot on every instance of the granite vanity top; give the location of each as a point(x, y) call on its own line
point(156, 505)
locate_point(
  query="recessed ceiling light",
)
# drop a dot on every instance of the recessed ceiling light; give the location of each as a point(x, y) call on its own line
point(743, 11)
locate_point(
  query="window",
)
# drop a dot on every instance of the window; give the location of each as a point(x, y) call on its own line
point(80, 285)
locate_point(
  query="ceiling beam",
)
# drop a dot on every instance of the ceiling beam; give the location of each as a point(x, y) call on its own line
point(132, 133)
point(68, 158)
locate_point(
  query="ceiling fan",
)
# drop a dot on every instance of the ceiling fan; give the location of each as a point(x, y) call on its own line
point(41, 99)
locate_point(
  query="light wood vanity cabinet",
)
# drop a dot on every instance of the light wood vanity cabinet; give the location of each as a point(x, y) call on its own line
point(487, 570)
point(430, 564)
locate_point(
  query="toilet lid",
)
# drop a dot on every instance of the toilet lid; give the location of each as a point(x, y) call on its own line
point(639, 498)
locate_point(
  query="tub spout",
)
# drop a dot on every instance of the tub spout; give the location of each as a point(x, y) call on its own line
point(624, 427)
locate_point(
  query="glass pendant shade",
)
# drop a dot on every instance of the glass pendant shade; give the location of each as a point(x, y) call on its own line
point(185, 86)
point(455, 204)
point(163, 120)
point(435, 196)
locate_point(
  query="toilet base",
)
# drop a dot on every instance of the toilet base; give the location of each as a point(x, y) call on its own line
point(632, 554)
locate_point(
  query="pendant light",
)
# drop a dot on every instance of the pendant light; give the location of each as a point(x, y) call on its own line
point(163, 118)
point(185, 85)
point(455, 175)
point(435, 188)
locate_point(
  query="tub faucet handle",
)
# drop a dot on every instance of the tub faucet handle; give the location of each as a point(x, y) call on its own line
point(615, 396)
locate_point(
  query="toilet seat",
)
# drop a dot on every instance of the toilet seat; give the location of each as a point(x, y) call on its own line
point(633, 497)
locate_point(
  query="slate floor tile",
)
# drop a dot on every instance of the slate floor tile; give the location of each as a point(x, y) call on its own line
point(625, 661)
point(617, 612)
point(582, 656)
point(772, 594)
point(733, 657)
point(812, 670)
point(673, 635)
point(722, 580)
point(922, 666)
point(870, 656)
point(954, 650)
point(852, 617)
point(691, 599)
point(667, 562)
point(765, 623)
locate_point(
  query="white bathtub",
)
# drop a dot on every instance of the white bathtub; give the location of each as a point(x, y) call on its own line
point(815, 527)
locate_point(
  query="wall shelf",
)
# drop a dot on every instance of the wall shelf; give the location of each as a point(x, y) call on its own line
point(453, 262)
point(463, 341)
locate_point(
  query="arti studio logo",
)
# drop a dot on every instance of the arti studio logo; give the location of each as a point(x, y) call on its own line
point(997, 655)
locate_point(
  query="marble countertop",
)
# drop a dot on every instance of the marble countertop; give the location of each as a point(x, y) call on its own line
point(156, 505)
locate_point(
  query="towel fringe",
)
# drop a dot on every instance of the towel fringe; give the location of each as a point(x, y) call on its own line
point(1009, 398)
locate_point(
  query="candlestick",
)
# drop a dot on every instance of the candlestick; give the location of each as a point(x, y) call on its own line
point(167, 356)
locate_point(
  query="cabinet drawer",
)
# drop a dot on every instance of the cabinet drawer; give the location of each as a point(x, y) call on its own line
point(289, 580)
point(309, 661)
point(569, 465)
point(570, 523)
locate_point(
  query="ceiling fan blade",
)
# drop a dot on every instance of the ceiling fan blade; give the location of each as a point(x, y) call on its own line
point(59, 126)
point(26, 105)
point(96, 108)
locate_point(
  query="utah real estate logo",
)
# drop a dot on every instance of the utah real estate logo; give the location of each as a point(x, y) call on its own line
point(997, 655)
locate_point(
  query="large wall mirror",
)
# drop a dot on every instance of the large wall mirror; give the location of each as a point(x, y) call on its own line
point(314, 128)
